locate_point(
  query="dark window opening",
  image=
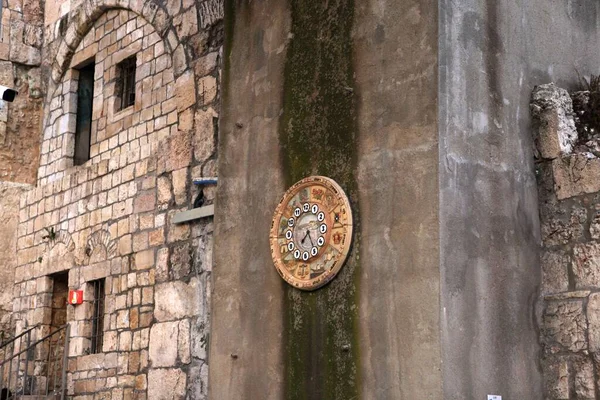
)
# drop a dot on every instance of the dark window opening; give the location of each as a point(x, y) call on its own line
point(85, 101)
point(98, 316)
point(126, 82)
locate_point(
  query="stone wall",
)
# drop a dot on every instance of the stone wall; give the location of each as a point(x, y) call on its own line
point(568, 175)
point(20, 59)
point(111, 218)
point(9, 217)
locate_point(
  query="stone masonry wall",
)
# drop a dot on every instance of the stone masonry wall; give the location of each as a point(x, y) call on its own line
point(21, 39)
point(111, 218)
point(569, 196)
point(9, 219)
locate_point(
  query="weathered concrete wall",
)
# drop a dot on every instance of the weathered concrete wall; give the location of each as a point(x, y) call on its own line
point(492, 53)
point(9, 218)
point(345, 89)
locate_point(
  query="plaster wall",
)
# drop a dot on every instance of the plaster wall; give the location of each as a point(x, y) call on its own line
point(492, 53)
point(280, 122)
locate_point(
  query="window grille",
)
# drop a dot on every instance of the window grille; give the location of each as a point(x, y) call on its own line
point(126, 74)
point(98, 316)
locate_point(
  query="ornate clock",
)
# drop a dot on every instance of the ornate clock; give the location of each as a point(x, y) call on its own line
point(311, 232)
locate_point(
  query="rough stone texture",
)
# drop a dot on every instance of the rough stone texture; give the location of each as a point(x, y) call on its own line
point(555, 272)
point(587, 265)
point(552, 109)
point(167, 384)
point(20, 58)
point(576, 175)
point(570, 262)
point(9, 218)
point(565, 324)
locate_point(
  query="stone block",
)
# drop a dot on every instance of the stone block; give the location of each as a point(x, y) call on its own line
point(185, 91)
point(575, 175)
point(552, 109)
point(164, 190)
point(180, 184)
point(593, 315)
point(586, 265)
point(144, 259)
point(178, 300)
point(595, 226)
point(583, 369)
point(167, 384)
point(163, 344)
point(564, 323)
point(204, 137)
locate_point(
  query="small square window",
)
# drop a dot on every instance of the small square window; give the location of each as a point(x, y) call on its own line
point(98, 316)
point(126, 83)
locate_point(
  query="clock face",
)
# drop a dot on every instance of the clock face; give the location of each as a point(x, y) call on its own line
point(311, 232)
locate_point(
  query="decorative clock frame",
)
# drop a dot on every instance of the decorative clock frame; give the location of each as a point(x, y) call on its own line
point(311, 232)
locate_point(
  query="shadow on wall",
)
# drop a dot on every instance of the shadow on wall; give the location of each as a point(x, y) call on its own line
point(5, 394)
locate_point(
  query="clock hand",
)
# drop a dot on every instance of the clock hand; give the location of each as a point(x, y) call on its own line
point(304, 238)
point(310, 238)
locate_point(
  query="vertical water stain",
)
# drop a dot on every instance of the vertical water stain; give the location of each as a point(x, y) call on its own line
point(318, 135)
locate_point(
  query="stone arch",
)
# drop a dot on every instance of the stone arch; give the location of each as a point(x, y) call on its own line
point(60, 253)
point(100, 246)
point(61, 237)
point(84, 16)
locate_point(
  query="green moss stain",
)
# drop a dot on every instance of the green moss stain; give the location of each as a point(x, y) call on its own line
point(318, 137)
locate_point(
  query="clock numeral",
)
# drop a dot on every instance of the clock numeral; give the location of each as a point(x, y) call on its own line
point(291, 222)
point(314, 209)
point(314, 251)
point(289, 234)
point(297, 212)
point(305, 256)
point(321, 241)
point(321, 216)
point(297, 254)
point(291, 246)
point(306, 207)
point(323, 228)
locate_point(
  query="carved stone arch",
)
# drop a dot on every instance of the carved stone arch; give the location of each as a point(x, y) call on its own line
point(84, 16)
point(60, 252)
point(100, 247)
point(61, 237)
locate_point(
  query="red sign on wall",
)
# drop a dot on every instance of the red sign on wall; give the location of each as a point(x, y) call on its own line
point(75, 297)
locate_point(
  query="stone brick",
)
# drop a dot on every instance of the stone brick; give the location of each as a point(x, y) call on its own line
point(575, 175)
point(584, 378)
point(180, 184)
point(565, 324)
point(207, 89)
point(185, 91)
point(145, 201)
point(593, 316)
point(177, 300)
point(552, 109)
point(163, 344)
point(204, 138)
point(586, 265)
point(164, 190)
point(144, 259)
point(555, 277)
point(167, 384)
